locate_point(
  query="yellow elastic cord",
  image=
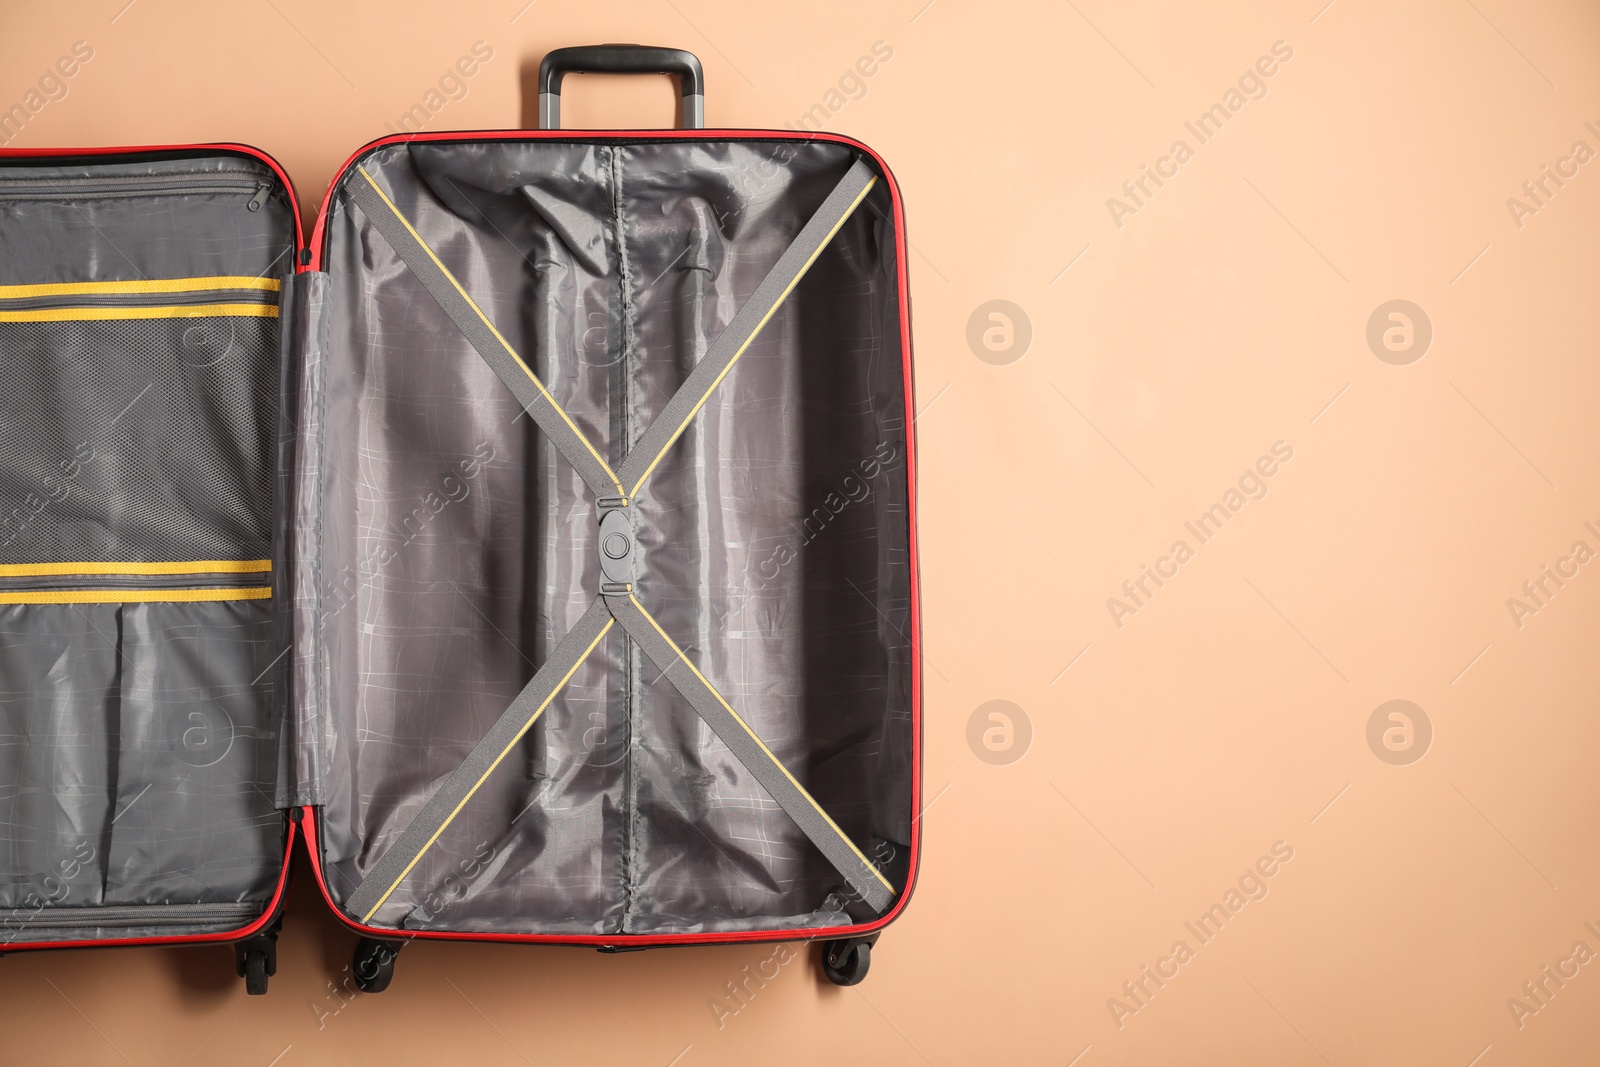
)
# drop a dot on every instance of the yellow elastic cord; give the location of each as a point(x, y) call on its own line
point(134, 596)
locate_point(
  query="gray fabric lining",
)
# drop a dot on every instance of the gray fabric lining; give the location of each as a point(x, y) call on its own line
point(772, 539)
point(458, 788)
point(385, 876)
point(793, 799)
point(752, 314)
point(568, 440)
point(312, 598)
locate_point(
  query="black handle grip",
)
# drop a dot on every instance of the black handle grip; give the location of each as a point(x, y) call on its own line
point(622, 59)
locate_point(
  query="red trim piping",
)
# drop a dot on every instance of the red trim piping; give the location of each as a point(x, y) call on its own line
point(308, 818)
point(221, 146)
point(186, 939)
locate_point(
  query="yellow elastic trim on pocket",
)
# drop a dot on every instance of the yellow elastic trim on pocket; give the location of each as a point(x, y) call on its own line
point(134, 596)
point(192, 311)
point(193, 566)
point(157, 285)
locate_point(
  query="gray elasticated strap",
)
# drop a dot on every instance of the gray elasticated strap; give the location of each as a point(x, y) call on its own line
point(483, 336)
point(747, 322)
point(749, 750)
point(457, 789)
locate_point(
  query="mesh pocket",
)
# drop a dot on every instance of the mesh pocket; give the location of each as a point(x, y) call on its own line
point(139, 438)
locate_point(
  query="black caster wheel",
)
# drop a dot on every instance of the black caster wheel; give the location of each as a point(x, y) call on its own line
point(373, 964)
point(256, 960)
point(256, 973)
point(846, 962)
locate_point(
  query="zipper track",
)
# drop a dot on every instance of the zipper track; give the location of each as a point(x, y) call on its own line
point(37, 583)
point(105, 186)
point(198, 297)
point(123, 916)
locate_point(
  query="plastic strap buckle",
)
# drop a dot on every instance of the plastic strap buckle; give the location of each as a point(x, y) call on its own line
point(616, 545)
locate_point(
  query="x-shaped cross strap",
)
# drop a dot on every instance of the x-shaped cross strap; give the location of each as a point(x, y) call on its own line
point(614, 489)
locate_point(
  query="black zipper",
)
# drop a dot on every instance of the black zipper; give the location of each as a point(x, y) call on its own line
point(124, 916)
point(190, 298)
point(53, 583)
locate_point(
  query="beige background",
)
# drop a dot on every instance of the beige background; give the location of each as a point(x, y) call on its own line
point(1230, 712)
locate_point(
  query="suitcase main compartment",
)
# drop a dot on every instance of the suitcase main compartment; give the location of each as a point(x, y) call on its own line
point(453, 546)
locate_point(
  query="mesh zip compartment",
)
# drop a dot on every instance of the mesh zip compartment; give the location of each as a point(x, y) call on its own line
point(143, 438)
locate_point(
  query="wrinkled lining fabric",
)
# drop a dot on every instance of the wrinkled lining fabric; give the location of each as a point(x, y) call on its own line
point(139, 742)
point(453, 546)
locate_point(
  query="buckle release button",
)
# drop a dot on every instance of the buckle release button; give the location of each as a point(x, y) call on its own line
point(616, 547)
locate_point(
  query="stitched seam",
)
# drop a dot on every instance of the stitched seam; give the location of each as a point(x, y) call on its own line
point(630, 866)
point(319, 659)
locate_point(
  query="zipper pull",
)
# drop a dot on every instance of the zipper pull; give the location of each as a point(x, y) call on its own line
point(261, 196)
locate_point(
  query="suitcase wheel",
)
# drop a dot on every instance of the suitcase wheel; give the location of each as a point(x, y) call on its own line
point(846, 962)
point(256, 973)
point(256, 960)
point(373, 964)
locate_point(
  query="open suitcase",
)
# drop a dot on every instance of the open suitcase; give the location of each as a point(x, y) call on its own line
point(535, 542)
